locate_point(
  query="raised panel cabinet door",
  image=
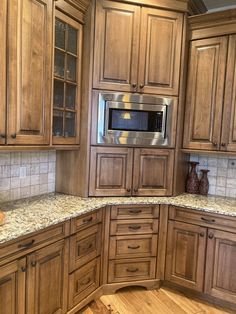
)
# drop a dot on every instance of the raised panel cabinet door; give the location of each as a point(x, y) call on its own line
point(185, 255)
point(116, 46)
point(160, 51)
point(29, 72)
point(220, 277)
point(12, 287)
point(205, 92)
point(228, 137)
point(153, 171)
point(3, 47)
point(48, 279)
point(110, 171)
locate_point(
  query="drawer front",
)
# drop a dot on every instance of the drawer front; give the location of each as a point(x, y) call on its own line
point(86, 221)
point(85, 246)
point(131, 269)
point(137, 226)
point(83, 281)
point(202, 218)
point(133, 211)
point(44, 237)
point(130, 246)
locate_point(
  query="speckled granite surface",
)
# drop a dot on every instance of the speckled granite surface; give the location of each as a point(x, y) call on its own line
point(26, 216)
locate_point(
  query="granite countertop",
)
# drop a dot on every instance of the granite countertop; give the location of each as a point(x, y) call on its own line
point(30, 215)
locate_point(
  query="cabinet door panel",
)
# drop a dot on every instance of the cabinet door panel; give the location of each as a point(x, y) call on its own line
point(228, 139)
point(185, 257)
point(3, 32)
point(153, 171)
point(205, 93)
point(220, 275)
point(30, 32)
point(47, 280)
point(110, 171)
point(116, 46)
point(12, 287)
point(160, 48)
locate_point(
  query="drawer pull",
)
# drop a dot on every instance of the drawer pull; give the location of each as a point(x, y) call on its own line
point(88, 219)
point(132, 270)
point(26, 245)
point(133, 247)
point(209, 221)
point(135, 227)
point(135, 211)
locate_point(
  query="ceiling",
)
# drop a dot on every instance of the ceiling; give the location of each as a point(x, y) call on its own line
point(215, 5)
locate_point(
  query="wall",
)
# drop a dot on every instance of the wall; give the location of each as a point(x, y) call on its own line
point(26, 174)
point(222, 175)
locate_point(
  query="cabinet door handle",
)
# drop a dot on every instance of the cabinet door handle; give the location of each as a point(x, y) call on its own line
point(128, 190)
point(13, 135)
point(3, 135)
point(88, 219)
point(135, 190)
point(134, 227)
point(132, 270)
point(23, 269)
point(133, 247)
point(211, 236)
point(209, 221)
point(33, 264)
point(223, 144)
point(202, 234)
point(26, 245)
point(134, 85)
point(141, 86)
point(215, 144)
point(135, 211)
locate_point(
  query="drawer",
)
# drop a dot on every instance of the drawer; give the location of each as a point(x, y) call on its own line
point(131, 269)
point(137, 226)
point(86, 220)
point(83, 281)
point(44, 237)
point(134, 211)
point(85, 246)
point(130, 246)
point(202, 218)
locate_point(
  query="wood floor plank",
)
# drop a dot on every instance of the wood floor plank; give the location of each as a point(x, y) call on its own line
point(137, 300)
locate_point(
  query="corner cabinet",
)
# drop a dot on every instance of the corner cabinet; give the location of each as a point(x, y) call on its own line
point(29, 71)
point(128, 60)
point(127, 171)
point(67, 79)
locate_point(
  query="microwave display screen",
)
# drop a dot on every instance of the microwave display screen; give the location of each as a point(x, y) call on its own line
point(135, 120)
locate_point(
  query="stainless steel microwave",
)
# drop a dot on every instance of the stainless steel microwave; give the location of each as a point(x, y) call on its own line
point(133, 119)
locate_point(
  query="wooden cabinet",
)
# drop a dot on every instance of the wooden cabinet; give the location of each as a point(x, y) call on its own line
point(201, 252)
point(3, 67)
point(185, 256)
point(112, 170)
point(220, 278)
point(12, 287)
point(67, 80)
point(47, 280)
point(29, 71)
point(127, 59)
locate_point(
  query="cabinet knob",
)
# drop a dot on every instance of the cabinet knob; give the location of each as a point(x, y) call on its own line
point(23, 269)
point(3, 135)
point(141, 86)
point(128, 190)
point(134, 85)
point(211, 236)
point(215, 144)
point(13, 135)
point(202, 234)
point(135, 190)
point(223, 144)
point(33, 264)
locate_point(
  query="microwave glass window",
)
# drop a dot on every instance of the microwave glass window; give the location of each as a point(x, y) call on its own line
point(135, 120)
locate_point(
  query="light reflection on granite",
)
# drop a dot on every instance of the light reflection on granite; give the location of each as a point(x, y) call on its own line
point(30, 215)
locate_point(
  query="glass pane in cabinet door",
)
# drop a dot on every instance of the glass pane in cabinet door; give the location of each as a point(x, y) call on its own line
point(57, 123)
point(59, 65)
point(71, 68)
point(70, 96)
point(58, 95)
point(72, 40)
point(70, 124)
point(60, 29)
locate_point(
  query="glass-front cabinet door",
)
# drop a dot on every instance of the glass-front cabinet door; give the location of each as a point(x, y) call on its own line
point(67, 72)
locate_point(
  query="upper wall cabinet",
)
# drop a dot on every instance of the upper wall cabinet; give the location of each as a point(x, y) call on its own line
point(29, 71)
point(137, 49)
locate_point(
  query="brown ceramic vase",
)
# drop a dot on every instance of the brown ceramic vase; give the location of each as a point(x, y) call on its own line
point(204, 183)
point(192, 185)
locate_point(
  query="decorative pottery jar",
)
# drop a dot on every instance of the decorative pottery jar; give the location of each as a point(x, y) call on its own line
point(204, 183)
point(192, 185)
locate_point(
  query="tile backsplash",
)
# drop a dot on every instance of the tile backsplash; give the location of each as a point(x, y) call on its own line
point(26, 174)
point(222, 175)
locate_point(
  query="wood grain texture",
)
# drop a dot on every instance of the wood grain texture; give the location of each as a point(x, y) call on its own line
point(3, 69)
point(137, 300)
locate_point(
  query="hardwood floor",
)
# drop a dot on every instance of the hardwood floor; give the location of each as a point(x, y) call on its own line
point(138, 300)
